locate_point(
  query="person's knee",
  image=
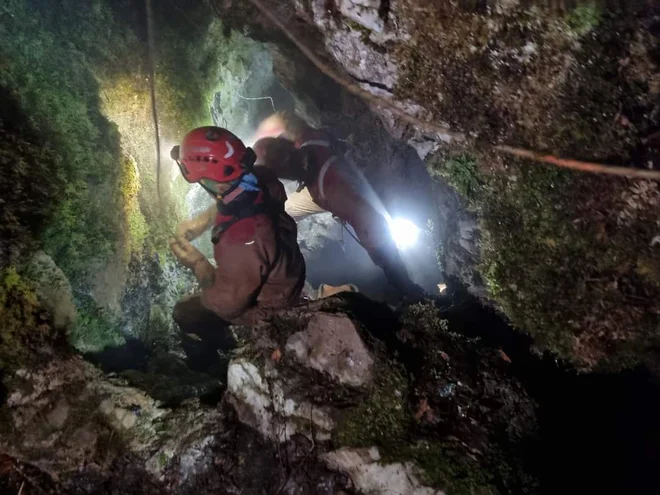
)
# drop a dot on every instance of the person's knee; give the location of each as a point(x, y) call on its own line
point(187, 309)
point(178, 313)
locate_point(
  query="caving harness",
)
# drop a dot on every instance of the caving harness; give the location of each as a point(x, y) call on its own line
point(247, 204)
point(333, 146)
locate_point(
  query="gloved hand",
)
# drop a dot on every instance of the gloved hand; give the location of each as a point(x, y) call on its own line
point(193, 228)
point(187, 254)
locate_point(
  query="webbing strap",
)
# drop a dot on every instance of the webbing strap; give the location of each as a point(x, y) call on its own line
point(316, 142)
point(324, 169)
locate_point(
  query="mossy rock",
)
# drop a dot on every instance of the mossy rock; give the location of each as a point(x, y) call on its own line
point(53, 290)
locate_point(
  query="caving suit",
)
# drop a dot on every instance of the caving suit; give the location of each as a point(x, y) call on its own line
point(260, 268)
point(332, 185)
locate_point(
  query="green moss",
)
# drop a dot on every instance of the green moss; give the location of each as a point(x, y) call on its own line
point(559, 267)
point(29, 182)
point(46, 70)
point(648, 268)
point(450, 467)
point(95, 329)
point(22, 330)
point(584, 18)
point(135, 229)
point(426, 317)
point(461, 172)
point(382, 419)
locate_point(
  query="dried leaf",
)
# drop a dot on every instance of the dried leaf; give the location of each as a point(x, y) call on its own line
point(504, 356)
point(277, 355)
point(422, 409)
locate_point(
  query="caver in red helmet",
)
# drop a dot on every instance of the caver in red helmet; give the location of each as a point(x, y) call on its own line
point(215, 154)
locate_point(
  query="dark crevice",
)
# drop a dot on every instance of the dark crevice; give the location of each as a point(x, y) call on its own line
point(373, 84)
point(384, 10)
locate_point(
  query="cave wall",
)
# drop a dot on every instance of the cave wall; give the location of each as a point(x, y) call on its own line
point(568, 257)
point(79, 157)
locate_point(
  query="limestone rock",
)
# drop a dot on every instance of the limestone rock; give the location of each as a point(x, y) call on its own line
point(89, 410)
point(260, 401)
point(364, 12)
point(58, 416)
point(330, 344)
point(371, 476)
point(348, 45)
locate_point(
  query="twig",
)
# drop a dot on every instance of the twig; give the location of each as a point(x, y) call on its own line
point(28, 479)
point(21, 489)
point(259, 98)
point(433, 127)
point(293, 472)
point(581, 166)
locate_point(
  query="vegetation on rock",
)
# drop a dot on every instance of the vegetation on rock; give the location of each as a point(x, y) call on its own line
point(25, 331)
point(565, 255)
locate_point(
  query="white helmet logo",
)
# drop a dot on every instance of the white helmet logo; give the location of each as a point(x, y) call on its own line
point(230, 150)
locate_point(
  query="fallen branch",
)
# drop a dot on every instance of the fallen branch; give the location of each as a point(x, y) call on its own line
point(433, 127)
point(597, 168)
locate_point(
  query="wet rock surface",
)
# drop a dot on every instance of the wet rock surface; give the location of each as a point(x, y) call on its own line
point(299, 393)
point(347, 396)
point(428, 408)
point(576, 80)
point(331, 344)
point(53, 290)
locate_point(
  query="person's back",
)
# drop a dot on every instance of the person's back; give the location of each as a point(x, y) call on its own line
point(260, 266)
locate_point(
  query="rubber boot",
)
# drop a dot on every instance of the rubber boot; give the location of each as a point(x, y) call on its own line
point(204, 335)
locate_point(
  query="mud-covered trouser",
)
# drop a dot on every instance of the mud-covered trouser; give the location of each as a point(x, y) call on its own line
point(203, 333)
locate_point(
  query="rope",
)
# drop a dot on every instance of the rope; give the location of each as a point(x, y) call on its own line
point(259, 98)
point(349, 85)
point(433, 127)
point(636, 173)
point(151, 43)
point(345, 225)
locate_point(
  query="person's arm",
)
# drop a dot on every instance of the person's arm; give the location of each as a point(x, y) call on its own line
point(195, 227)
point(281, 156)
point(191, 257)
point(230, 289)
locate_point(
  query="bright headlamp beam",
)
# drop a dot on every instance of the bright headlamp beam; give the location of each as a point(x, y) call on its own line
point(404, 232)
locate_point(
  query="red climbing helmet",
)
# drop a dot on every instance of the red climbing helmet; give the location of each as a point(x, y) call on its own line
point(213, 153)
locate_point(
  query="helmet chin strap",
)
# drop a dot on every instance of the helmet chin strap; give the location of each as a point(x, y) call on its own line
point(231, 194)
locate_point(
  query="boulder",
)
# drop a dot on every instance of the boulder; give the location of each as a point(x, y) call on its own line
point(371, 475)
point(331, 344)
point(53, 290)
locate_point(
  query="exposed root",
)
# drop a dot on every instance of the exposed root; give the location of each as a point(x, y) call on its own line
point(597, 168)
